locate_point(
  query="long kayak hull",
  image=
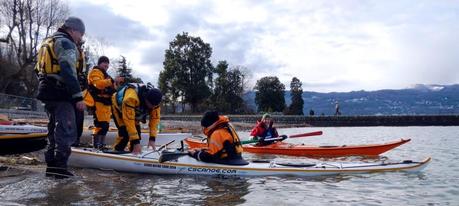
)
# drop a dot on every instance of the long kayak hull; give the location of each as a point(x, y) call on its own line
point(282, 148)
point(89, 158)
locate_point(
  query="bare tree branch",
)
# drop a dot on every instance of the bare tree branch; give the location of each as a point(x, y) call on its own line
point(27, 23)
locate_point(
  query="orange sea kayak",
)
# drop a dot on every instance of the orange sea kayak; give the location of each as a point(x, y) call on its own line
point(283, 148)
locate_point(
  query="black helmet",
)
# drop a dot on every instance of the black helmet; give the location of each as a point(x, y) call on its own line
point(209, 118)
point(153, 96)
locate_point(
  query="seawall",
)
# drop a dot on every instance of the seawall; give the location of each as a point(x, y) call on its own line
point(334, 121)
point(297, 120)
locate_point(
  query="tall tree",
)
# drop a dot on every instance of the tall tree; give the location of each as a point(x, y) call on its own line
point(219, 96)
point(27, 23)
point(188, 60)
point(228, 90)
point(296, 93)
point(235, 87)
point(168, 86)
point(123, 70)
point(269, 95)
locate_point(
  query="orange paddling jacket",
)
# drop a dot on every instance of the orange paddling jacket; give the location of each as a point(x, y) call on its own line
point(223, 144)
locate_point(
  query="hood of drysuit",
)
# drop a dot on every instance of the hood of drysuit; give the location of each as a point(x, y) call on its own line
point(221, 120)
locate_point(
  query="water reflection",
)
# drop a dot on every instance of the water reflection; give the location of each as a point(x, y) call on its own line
point(436, 185)
point(228, 191)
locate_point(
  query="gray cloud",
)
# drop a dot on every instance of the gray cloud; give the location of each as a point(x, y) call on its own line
point(423, 35)
point(231, 42)
point(117, 30)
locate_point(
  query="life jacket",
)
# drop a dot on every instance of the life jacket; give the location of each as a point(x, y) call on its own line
point(101, 95)
point(270, 131)
point(141, 111)
point(46, 58)
point(52, 86)
point(263, 130)
point(231, 150)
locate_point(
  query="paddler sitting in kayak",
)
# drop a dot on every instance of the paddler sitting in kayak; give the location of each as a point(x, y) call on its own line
point(223, 144)
point(264, 131)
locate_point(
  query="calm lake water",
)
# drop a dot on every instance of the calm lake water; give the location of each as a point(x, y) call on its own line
point(438, 184)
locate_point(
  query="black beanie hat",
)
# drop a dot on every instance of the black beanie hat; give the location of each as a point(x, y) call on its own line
point(103, 59)
point(153, 96)
point(209, 118)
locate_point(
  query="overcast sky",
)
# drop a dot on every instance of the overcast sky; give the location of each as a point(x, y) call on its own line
point(341, 45)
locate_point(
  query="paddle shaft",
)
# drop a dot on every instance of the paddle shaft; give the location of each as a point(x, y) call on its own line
point(159, 149)
point(255, 141)
point(280, 138)
point(316, 133)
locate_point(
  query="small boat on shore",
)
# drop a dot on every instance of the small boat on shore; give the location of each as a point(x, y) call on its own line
point(283, 148)
point(22, 143)
point(148, 162)
point(22, 129)
point(16, 139)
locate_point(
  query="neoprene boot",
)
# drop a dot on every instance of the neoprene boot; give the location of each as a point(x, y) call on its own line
point(50, 170)
point(96, 141)
point(102, 141)
point(61, 173)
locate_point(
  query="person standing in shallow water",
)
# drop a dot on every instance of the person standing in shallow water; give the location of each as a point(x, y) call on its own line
point(132, 104)
point(79, 115)
point(101, 87)
point(59, 89)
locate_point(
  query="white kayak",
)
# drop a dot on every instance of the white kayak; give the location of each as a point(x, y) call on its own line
point(22, 129)
point(149, 163)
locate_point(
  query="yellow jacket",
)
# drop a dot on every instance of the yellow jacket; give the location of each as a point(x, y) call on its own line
point(99, 80)
point(130, 112)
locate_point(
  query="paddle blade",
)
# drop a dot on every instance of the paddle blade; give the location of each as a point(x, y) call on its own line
point(306, 134)
point(169, 156)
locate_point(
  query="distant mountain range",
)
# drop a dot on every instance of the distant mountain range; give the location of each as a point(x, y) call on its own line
point(421, 99)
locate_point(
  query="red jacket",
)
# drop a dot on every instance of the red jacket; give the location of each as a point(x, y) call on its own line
point(262, 130)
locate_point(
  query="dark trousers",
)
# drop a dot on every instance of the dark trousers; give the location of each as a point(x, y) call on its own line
point(122, 132)
point(123, 136)
point(62, 132)
point(79, 117)
point(104, 126)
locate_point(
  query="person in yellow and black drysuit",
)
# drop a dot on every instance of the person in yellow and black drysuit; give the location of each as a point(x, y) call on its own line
point(223, 144)
point(131, 104)
point(101, 88)
point(79, 115)
point(60, 91)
